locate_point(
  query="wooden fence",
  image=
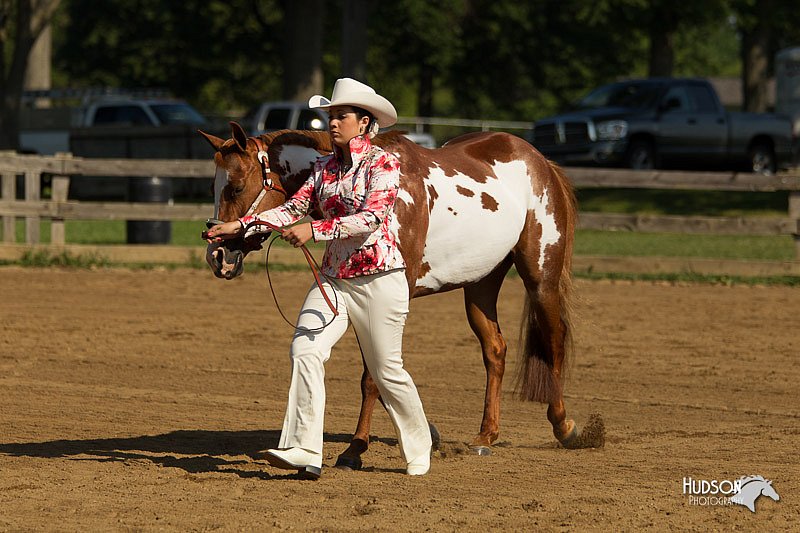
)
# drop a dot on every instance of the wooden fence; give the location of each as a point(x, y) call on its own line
point(58, 208)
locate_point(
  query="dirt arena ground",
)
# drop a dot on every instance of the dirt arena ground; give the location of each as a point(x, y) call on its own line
point(141, 400)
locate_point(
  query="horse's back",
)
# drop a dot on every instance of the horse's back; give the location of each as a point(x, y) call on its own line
point(480, 188)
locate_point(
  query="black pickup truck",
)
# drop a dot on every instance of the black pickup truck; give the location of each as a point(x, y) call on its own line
point(664, 123)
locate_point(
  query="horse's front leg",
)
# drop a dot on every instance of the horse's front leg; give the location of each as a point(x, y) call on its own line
point(351, 457)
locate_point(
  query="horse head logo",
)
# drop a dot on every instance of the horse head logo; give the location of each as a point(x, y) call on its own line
point(750, 488)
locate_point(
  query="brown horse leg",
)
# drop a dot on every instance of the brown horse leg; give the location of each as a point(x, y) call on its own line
point(351, 457)
point(548, 326)
point(547, 307)
point(480, 300)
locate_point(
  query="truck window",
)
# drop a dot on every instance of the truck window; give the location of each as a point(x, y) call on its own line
point(121, 115)
point(177, 114)
point(702, 99)
point(631, 95)
point(310, 120)
point(676, 100)
point(277, 119)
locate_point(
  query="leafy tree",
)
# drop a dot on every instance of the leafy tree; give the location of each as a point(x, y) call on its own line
point(524, 60)
point(218, 54)
point(417, 46)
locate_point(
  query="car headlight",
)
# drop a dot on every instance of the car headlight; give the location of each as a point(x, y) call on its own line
point(611, 130)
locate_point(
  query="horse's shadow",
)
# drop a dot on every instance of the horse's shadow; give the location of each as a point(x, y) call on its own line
point(194, 451)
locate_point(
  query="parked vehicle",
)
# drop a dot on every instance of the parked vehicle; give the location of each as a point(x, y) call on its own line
point(108, 121)
point(272, 116)
point(118, 127)
point(664, 122)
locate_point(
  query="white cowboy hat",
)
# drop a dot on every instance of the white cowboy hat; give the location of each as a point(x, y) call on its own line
point(347, 91)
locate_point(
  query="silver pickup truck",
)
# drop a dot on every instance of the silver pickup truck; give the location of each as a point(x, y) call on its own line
point(664, 123)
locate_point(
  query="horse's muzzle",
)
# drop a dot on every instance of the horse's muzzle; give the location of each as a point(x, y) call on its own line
point(225, 263)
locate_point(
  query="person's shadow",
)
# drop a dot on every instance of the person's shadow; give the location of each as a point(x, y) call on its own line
point(195, 451)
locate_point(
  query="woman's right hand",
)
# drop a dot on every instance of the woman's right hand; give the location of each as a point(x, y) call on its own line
point(220, 232)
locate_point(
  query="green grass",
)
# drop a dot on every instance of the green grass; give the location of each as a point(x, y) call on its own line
point(700, 203)
point(690, 277)
point(588, 242)
point(43, 258)
point(767, 248)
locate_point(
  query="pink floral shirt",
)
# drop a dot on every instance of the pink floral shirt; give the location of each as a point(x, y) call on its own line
point(357, 205)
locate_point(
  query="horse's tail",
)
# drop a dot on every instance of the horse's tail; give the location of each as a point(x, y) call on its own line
point(546, 347)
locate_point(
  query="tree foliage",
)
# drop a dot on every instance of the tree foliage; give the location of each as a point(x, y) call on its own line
point(498, 59)
point(218, 54)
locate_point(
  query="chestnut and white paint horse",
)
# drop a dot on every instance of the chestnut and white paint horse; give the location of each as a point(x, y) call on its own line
point(466, 213)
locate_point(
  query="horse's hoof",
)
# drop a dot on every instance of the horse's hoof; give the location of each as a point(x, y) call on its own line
point(436, 439)
point(480, 450)
point(348, 463)
point(570, 440)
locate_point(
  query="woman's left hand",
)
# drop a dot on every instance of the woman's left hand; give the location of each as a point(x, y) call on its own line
point(298, 235)
point(220, 232)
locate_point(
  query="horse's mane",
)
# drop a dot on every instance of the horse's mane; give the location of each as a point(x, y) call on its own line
point(391, 139)
point(318, 140)
point(745, 480)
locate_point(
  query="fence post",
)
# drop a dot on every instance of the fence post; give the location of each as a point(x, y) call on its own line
point(794, 214)
point(60, 187)
point(9, 195)
point(33, 186)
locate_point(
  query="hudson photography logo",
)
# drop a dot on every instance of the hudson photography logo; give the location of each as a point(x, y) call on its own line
point(743, 491)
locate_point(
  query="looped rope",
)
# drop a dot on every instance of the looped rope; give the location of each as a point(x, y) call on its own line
point(315, 270)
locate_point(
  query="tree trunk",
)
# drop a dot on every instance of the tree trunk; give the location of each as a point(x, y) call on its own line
point(303, 54)
point(355, 17)
point(38, 74)
point(425, 93)
point(755, 60)
point(32, 18)
point(662, 28)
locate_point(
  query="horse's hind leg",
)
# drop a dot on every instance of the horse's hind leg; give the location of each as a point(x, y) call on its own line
point(351, 457)
point(546, 343)
point(548, 311)
point(480, 300)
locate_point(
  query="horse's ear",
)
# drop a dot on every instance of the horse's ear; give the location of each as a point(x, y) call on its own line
point(238, 134)
point(214, 141)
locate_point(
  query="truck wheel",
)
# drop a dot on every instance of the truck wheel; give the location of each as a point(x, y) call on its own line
point(641, 155)
point(762, 159)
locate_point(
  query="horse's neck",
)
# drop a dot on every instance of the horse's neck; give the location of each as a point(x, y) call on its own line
point(297, 152)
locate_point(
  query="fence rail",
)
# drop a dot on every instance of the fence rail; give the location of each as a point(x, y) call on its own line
point(61, 167)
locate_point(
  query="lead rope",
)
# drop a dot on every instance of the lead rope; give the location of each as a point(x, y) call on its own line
point(315, 270)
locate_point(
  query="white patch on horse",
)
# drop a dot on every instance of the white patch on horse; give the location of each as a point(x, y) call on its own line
point(296, 158)
point(466, 247)
point(405, 197)
point(220, 180)
point(550, 233)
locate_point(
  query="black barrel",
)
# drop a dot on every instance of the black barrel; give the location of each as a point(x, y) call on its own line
point(149, 190)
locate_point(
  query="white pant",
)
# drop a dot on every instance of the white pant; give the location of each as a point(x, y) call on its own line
point(377, 306)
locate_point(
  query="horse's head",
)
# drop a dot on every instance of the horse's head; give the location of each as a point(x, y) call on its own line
point(768, 490)
point(255, 174)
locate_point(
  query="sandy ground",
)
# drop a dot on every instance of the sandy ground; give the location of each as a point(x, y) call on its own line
point(141, 400)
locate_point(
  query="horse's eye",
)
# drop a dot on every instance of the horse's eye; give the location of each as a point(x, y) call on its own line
point(236, 187)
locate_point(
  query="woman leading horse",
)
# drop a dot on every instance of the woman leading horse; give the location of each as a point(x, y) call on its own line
point(355, 190)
